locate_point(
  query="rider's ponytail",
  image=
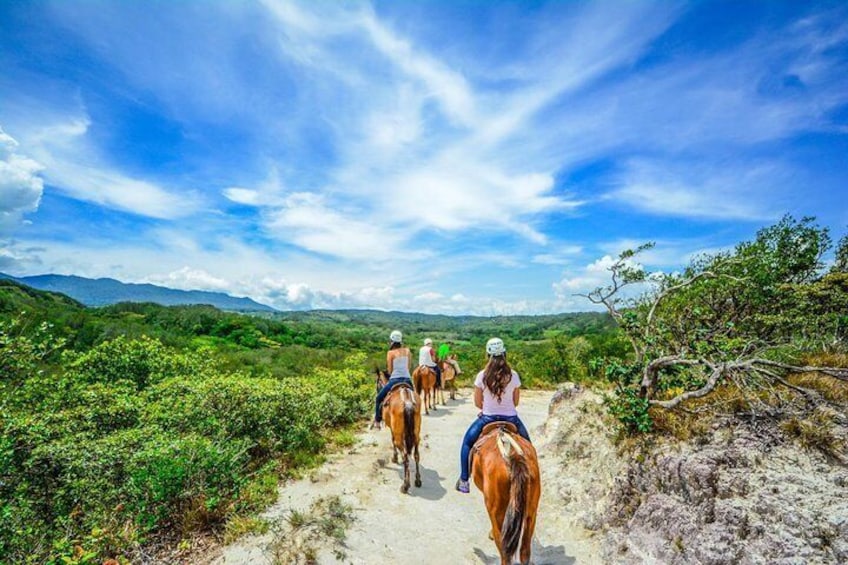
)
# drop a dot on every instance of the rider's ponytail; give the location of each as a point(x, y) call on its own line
point(497, 375)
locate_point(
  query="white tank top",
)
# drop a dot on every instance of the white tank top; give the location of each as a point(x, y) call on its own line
point(400, 368)
point(424, 357)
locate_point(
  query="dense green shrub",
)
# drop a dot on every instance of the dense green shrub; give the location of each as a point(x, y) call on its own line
point(142, 361)
point(132, 438)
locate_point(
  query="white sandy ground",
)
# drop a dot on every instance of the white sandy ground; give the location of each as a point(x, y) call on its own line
point(433, 524)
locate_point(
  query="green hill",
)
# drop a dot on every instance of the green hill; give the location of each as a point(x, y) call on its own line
point(102, 292)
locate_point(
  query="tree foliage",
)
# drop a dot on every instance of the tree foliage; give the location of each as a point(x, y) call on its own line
point(744, 316)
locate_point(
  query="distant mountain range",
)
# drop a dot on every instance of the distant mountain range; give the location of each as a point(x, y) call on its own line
point(102, 292)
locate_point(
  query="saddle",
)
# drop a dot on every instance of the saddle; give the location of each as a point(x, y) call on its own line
point(489, 429)
point(508, 427)
point(394, 389)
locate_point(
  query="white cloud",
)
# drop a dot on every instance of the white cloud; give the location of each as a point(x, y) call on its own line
point(188, 278)
point(698, 191)
point(307, 220)
point(21, 185)
point(73, 165)
point(245, 196)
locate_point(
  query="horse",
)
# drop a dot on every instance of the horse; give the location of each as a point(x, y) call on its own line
point(424, 379)
point(505, 469)
point(448, 381)
point(402, 415)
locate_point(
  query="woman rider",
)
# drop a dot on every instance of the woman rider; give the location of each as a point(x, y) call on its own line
point(496, 393)
point(397, 364)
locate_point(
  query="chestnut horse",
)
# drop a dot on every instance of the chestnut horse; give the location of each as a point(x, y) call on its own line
point(506, 470)
point(425, 385)
point(402, 415)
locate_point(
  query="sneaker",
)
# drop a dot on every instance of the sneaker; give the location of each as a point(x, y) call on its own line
point(375, 425)
point(462, 486)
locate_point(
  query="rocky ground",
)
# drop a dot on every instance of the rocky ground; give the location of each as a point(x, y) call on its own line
point(742, 494)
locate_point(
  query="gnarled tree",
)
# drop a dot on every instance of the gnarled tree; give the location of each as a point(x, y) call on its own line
point(744, 317)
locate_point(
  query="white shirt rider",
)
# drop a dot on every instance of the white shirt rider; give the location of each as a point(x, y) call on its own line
point(425, 354)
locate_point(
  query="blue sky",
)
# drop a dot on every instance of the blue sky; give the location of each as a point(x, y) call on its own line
point(454, 157)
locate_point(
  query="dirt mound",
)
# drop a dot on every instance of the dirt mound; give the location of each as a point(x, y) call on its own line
point(739, 495)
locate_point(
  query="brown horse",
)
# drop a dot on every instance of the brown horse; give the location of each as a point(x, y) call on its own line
point(506, 470)
point(402, 415)
point(448, 381)
point(424, 379)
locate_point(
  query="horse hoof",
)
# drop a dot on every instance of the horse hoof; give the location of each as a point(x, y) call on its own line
point(418, 483)
point(404, 489)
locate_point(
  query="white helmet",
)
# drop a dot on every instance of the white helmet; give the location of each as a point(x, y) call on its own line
point(495, 347)
point(396, 336)
point(428, 341)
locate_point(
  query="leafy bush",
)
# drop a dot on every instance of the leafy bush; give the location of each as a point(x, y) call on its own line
point(133, 438)
point(142, 361)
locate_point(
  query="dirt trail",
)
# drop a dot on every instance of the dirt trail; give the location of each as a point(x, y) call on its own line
point(433, 524)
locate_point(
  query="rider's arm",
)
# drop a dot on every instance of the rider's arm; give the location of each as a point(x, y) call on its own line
point(478, 397)
point(389, 359)
point(515, 396)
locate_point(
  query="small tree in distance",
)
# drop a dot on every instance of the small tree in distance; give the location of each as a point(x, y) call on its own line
point(743, 318)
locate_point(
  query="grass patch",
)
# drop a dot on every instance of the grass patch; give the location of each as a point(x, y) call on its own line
point(818, 431)
point(239, 526)
point(299, 537)
point(343, 438)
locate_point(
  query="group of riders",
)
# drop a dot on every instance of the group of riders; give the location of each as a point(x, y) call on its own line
point(496, 389)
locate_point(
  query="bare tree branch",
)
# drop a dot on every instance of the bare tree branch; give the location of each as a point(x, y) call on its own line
point(649, 375)
point(840, 373)
point(712, 382)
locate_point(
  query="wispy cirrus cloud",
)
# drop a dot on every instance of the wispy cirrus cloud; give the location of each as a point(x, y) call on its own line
point(71, 163)
point(404, 155)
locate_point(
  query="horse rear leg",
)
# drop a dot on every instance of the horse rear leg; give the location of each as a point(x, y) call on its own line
point(417, 469)
point(527, 537)
point(404, 488)
point(495, 535)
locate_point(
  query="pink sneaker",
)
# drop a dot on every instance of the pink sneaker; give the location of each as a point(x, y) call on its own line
point(462, 486)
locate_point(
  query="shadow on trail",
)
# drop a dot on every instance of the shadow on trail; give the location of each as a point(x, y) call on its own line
point(431, 484)
point(541, 555)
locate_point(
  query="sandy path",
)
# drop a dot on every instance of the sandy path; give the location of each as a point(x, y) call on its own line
point(433, 524)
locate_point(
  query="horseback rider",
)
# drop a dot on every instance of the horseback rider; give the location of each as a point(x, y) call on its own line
point(427, 358)
point(496, 394)
point(397, 365)
point(446, 357)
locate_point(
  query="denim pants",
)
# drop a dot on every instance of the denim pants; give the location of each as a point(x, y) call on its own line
point(381, 396)
point(474, 432)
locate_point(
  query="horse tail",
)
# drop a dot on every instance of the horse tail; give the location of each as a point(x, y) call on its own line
point(408, 423)
point(519, 477)
point(417, 380)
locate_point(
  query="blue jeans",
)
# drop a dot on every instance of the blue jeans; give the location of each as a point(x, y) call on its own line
point(474, 432)
point(381, 396)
